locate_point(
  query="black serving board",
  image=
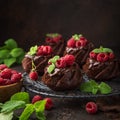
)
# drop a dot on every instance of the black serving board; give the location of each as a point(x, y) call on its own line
point(38, 87)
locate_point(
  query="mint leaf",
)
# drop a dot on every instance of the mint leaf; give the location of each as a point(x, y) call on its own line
point(97, 50)
point(51, 68)
point(104, 88)
point(6, 116)
point(12, 105)
point(90, 86)
point(1, 61)
point(54, 59)
point(52, 35)
point(107, 50)
point(39, 108)
point(16, 52)
point(10, 44)
point(27, 112)
point(21, 96)
point(4, 54)
point(76, 36)
point(33, 50)
point(9, 61)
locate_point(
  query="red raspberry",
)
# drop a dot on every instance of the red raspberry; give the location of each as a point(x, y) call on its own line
point(57, 38)
point(6, 73)
point(111, 55)
point(93, 55)
point(61, 63)
point(78, 43)
point(49, 103)
point(71, 43)
point(83, 42)
point(8, 81)
point(36, 98)
point(14, 72)
point(40, 51)
point(3, 66)
point(33, 75)
point(91, 107)
point(69, 59)
point(102, 57)
point(47, 50)
point(2, 81)
point(49, 40)
point(16, 77)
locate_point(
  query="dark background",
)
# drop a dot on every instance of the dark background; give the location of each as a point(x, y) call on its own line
point(27, 21)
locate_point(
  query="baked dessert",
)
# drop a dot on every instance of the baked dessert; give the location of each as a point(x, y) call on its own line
point(39, 55)
point(57, 43)
point(102, 64)
point(62, 73)
point(80, 47)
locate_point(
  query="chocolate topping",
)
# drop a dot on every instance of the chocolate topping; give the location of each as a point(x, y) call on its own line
point(102, 70)
point(63, 79)
point(81, 53)
point(39, 61)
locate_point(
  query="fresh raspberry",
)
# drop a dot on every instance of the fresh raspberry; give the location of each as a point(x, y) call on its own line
point(49, 40)
point(71, 43)
point(47, 50)
point(16, 77)
point(78, 43)
point(83, 42)
point(111, 55)
point(49, 103)
point(36, 98)
point(91, 107)
point(6, 73)
point(2, 81)
point(14, 72)
point(33, 75)
point(69, 59)
point(93, 55)
point(57, 38)
point(61, 63)
point(40, 51)
point(102, 57)
point(3, 66)
point(8, 81)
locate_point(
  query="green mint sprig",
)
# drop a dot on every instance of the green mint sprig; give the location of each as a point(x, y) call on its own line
point(33, 50)
point(21, 100)
point(51, 67)
point(94, 88)
point(52, 35)
point(10, 53)
point(76, 36)
point(102, 50)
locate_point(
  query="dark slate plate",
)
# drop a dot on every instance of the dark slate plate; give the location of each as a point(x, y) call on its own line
point(38, 87)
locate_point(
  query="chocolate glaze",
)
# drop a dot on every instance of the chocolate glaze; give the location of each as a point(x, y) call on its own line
point(81, 53)
point(39, 61)
point(102, 70)
point(58, 48)
point(64, 78)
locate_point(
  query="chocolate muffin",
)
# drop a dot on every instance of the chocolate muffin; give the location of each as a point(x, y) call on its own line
point(80, 47)
point(57, 43)
point(102, 64)
point(39, 55)
point(62, 73)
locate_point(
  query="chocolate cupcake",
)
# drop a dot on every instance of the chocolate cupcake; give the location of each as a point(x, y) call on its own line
point(39, 55)
point(80, 47)
point(57, 43)
point(102, 64)
point(62, 73)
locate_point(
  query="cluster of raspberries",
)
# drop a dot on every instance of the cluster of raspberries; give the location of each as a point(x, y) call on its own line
point(8, 76)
